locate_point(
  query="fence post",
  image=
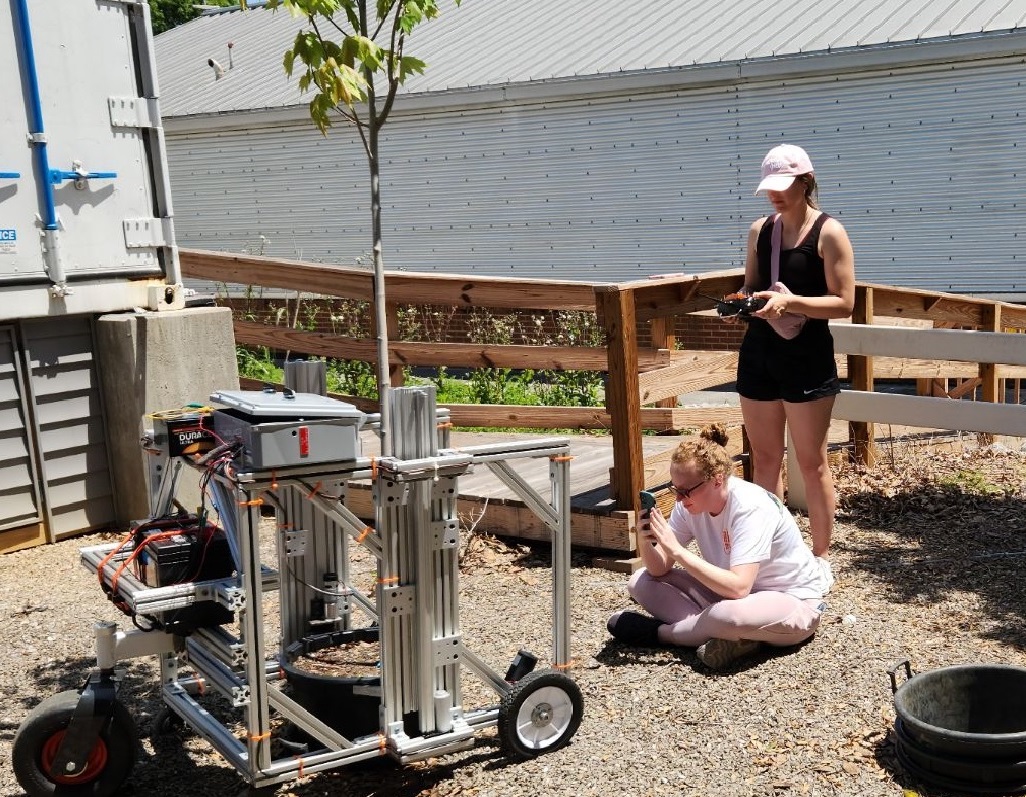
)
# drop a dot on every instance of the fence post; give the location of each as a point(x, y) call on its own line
point(617, 315)
point(663, 337)
point(990, 321)
point(860, 374)
point(395, 370)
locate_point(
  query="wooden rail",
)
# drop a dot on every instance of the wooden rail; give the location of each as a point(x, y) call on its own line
point(969, 339)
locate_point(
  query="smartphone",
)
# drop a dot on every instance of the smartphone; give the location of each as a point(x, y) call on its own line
point(648, 501)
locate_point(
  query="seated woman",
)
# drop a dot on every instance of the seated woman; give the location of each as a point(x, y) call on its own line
point(755, 582)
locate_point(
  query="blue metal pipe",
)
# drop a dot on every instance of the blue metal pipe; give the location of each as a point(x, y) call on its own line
point(37, 136)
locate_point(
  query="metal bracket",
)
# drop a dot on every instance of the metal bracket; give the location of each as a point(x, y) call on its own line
point(445, 487)
point(397, 601)
point(393, 493)
point(148, 233)
point(232, 598)
point(447, 649)
point(295, 542)
point(446, 533)
point(133, 112)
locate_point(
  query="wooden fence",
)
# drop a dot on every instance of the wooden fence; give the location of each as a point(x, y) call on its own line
point(643, 382)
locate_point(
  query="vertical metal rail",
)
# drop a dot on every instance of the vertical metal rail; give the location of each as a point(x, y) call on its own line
point(251, 620)
point(559, 477)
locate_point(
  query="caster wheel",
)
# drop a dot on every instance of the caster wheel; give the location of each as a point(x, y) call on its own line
point(167, 723)
point(39, 738)
point(539, 714)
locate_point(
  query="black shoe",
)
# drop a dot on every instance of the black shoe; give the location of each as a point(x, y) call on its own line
point(633, 628)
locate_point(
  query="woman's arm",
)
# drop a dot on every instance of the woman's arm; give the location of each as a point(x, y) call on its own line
point(751, 256)
point(734, 583)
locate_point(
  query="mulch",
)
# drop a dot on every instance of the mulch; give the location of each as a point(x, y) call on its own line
point(929, 554)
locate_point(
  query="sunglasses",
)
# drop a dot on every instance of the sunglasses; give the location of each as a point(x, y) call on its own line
point(685, 492)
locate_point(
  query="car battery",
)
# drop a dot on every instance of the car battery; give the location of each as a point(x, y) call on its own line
point(180, 433)
point(287, 429)
point(166, 554)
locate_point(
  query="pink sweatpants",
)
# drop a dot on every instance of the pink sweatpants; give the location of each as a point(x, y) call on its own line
point(695, 614)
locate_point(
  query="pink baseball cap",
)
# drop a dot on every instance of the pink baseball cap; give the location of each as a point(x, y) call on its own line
point(781, 165)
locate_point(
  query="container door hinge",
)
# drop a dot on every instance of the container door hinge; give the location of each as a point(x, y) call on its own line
point(134, 112)
point(148, 233)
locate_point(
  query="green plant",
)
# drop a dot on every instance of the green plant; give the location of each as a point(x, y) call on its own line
point(257, 364)
point(352, 378)
point(970, 481)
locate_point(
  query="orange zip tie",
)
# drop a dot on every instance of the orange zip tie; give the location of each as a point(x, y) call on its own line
point(314, 490)
point(261, 737)
point(284, 526)
point(445, 425)
point(299, 758)
point(568, 666)
point(201, 686)
point(274, 481)
point(374, 468)
point(389, 580)
point(254, 502)
point(363, 534)
point(564, 458)
point(382, 741)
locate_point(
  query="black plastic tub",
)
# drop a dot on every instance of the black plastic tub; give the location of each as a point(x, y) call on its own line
point(348, 705)
point(963, 727)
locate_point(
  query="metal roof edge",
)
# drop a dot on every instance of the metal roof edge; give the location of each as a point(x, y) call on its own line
point(818, 63)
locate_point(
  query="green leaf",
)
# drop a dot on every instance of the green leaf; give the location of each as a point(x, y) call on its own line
point(410, 66)
point(412, 15)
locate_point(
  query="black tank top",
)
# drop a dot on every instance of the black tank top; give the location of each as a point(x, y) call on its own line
point(801, 269)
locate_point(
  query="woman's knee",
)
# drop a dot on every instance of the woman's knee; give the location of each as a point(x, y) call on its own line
point(641, 577)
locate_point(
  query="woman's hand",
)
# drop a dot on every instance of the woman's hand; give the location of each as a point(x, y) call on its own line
point(657, 530)
point(776, 304)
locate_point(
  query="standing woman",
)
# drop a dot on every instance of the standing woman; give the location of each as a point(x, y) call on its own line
point(793, 380)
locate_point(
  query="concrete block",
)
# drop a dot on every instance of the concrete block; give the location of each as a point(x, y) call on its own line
point(152, 362)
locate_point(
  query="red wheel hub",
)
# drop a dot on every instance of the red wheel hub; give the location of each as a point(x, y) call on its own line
point(94, 765)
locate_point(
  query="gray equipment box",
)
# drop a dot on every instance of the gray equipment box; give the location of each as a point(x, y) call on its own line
point(287, 429)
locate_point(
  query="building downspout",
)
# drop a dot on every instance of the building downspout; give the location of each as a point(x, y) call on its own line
point(37, 138)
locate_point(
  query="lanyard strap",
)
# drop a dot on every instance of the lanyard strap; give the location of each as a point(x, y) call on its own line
point(775, 250)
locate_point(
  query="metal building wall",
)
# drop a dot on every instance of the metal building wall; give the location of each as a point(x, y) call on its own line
point(19, 497)
point(923, 165)
point(68, 424)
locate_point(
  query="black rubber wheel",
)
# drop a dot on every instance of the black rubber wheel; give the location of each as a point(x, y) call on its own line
point(167, 723)
point(539, 714)
point(39, 737)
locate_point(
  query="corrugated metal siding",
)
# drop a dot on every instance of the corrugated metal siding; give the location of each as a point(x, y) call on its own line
point(927, 169)
point(19, 498)
point(69, 417)
point(924, 167)
point(504, 42)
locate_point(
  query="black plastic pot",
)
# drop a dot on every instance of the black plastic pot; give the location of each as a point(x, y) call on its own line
point(963, 727)
point(349, 705)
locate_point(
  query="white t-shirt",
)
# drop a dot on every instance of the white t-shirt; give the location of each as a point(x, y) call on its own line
point(754, 527)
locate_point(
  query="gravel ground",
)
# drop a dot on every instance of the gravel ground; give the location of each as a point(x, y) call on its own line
point(929, 554)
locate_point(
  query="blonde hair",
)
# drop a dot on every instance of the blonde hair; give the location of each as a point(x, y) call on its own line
point(708, 452)
point(811, 189)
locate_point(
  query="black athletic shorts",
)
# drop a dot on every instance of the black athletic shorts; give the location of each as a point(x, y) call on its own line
point(770, 368)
